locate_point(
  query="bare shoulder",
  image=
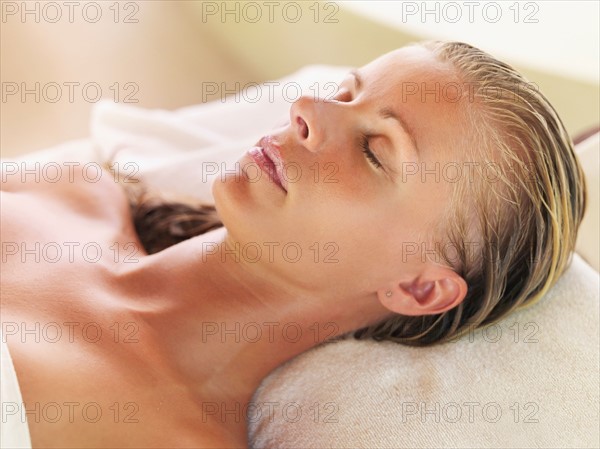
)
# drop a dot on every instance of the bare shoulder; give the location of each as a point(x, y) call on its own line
point(87, 189)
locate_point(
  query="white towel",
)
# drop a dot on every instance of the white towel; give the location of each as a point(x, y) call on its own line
point(14, 431)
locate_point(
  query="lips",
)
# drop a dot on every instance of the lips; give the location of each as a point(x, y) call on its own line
point(268, 157)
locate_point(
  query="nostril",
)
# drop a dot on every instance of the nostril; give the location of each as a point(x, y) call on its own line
point(303, 127)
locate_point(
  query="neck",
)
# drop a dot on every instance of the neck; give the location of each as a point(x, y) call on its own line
point(225, 325)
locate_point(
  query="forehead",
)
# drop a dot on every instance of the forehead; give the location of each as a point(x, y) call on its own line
point(407, 63)
point(425, 91)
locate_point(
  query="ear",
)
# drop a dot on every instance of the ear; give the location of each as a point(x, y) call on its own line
point(433, 292)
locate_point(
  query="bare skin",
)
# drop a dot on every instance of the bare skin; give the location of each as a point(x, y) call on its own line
point(180, 314)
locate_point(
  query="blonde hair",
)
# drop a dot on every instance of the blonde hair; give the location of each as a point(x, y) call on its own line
point(524, 224)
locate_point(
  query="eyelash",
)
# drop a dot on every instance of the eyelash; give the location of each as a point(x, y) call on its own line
point(368, 153)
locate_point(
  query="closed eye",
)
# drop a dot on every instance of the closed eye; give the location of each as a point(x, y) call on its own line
point(345, 95)
point(368, 153)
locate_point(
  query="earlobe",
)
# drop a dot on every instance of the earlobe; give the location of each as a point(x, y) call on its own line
point(425, 297)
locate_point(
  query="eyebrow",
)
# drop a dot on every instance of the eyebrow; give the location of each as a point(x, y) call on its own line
point(387, 112)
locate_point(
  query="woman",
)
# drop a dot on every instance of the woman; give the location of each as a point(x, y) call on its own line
point(437, 191)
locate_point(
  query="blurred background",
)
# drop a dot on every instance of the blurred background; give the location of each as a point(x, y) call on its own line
point(58, 58)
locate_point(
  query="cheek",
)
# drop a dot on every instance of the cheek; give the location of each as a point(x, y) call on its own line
point(347, 183)
point(369, 248)
point(360, 224)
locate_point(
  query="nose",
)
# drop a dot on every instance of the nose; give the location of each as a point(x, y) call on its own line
point(306, 129)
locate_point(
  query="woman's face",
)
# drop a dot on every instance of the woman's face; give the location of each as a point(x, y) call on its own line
point(345, 220)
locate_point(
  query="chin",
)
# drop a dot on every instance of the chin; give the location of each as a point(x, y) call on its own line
point(237, 210)
point(228, 197)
